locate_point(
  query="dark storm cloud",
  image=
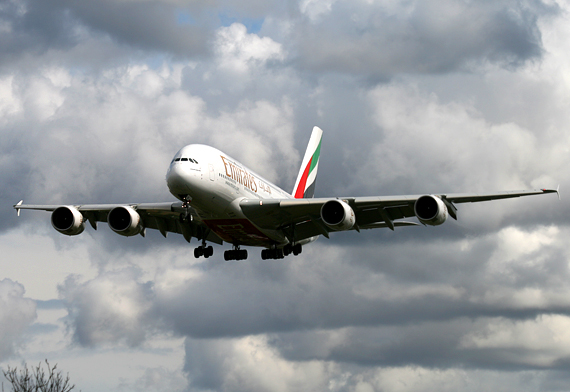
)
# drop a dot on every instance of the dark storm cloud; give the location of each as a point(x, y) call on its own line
point(154, 25)
point(378, 40)
point(430, 345)
point(35, 27)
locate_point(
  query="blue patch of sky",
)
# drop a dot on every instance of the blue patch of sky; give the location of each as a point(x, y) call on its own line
point(253, 25)
point(50, 304)
point(157, 61)
point(183, 17)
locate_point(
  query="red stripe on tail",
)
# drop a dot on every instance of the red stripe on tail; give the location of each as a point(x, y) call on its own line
point(303, 182)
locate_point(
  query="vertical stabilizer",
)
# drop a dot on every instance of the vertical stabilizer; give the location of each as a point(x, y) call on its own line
point(306, 180)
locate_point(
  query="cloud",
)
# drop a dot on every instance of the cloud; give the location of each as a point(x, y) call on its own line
point(381, 40)
point(413, 97)
point(16, 314)
point(247, 364)
point(149, 25)
point(109, 308)
point(420, 303)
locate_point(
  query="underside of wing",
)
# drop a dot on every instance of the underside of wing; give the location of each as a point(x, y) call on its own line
point(128, 219)
point(304, 218)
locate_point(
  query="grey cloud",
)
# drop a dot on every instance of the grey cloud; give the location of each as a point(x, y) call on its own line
point(408, 283)
point(377, 40)
point(431, 345)
point(34, 26)
point(147, 25)
point(250, 364)
point(110, 308)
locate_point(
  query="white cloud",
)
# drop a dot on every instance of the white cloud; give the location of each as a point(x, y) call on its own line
point(16, 314)
point(110, 308)
point(248, 364)
point(239, 51)
point(541, 342)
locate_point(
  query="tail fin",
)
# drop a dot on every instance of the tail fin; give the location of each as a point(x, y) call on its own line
point(306, 180)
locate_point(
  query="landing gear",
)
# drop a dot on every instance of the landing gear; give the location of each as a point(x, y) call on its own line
point(275, 253)
point(185, 216)
point(203, 250)
point(295, 249)
point(272, 254)
point(235, 254)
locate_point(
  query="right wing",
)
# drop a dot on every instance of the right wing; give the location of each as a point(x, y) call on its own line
point(301, 218)
point(164, 217)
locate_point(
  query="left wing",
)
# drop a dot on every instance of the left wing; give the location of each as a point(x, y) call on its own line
point(304, 218)
point(164, 217)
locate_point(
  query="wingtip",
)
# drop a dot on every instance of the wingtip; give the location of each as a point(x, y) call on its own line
point(557, 191)
point(18, 205)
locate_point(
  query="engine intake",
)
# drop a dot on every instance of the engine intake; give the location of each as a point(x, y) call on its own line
point(430, 210)
point(338, 215)
point(68, 220)
point(125, 221)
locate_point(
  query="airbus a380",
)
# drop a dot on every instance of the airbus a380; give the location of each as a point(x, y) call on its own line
point(221, 200)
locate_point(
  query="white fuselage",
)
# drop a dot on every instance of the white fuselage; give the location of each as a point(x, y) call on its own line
point(214, 184)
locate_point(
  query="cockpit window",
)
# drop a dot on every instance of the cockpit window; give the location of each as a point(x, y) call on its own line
point(195, 161)
point(184, 159)
point(177, 159)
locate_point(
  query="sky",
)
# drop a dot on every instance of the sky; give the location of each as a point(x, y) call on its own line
point(414, 97)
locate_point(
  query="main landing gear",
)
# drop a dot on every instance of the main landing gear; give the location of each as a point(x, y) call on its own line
point(235, 254)
point(274, 253)
point(203, 250)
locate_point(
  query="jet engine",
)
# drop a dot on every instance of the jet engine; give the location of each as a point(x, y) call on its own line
point(125, 221)
point(68, 220)
point(338, 215)
point(430, 210)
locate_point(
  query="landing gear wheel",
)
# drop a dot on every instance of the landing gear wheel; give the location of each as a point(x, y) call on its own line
point(235, 254)
point(272, 254)
point(203, 250)
point(297, 249)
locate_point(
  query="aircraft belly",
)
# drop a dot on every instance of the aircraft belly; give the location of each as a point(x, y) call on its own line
point(241, 231)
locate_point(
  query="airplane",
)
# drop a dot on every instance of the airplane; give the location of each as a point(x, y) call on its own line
point(221, 200)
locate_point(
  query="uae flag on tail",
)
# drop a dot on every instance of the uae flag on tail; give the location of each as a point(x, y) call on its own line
point(306, 179)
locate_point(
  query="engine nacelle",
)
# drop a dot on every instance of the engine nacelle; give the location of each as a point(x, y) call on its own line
point(68, 220)
point(338, 215)
point(125, 221)
point(430, 210)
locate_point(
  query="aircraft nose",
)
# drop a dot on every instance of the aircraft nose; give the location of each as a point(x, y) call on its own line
point(178, 179)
